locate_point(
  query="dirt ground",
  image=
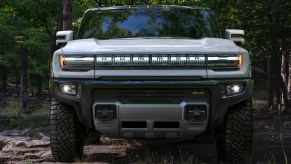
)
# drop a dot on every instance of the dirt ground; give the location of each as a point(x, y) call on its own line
point(26, 141)
point(268, 147)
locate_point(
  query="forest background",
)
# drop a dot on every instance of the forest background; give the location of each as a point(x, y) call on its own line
point(28, 28)
point(27, 41)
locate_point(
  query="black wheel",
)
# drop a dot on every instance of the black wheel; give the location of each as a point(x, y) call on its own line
point(235, 142)
point(67, 142)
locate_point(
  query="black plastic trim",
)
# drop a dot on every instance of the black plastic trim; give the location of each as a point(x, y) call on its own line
point(149, 78)
point(218, 103)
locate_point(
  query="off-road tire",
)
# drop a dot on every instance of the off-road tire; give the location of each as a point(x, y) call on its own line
point(235, 142)
point(67, 142)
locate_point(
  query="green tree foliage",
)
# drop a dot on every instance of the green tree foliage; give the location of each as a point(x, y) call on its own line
point(40, 13)
point(39, 57)
point(267, 26)
point(8, 57)
point(33, 29)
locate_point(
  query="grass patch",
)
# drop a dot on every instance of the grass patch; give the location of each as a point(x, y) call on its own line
point(259, 107)
point(146, 156)
point(10, 108)
point(260, 102)
point(260, 94)
point(38, 117)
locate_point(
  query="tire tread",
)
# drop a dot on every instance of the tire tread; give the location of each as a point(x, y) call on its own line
point(236, 143)
point(66, 141)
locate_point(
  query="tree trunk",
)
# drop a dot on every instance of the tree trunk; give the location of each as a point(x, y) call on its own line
point(16, 76)
point(271, 81)
point(60, 23)
point(100, 3)
point(289, 81)
point(4, 76)
point(67, 13)
point(274, 70)
point(23, 78)
point(39, 87)
point(285, 76)
point(277, 77)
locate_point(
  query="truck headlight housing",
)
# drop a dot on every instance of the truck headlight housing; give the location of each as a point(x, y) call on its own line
point(70, 89)
point(76, 62)
point(225, 61)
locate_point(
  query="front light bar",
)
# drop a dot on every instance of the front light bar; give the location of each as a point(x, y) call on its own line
point(150, 61)
point(224, 61)
point(76, 62)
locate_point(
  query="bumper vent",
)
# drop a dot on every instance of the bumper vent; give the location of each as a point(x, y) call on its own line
point(134, 124)
point(196, 113)
point(139, 96)
point(166, 125)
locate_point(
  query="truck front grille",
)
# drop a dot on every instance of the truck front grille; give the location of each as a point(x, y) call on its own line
point(150, 95)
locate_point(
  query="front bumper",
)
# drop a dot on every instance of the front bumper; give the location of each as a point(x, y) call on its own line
point(149, 115)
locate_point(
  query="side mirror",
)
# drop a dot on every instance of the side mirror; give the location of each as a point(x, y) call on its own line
point(64, 37)
point(237, 36)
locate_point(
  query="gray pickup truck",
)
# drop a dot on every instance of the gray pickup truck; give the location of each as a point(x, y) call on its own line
point(153, 72)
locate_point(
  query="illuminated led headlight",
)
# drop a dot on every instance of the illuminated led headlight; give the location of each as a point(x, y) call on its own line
point(76, 62)
point(70, 89)
point(232, 89)
point(225, 61)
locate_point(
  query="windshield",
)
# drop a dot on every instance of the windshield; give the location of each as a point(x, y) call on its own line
point(152, 22)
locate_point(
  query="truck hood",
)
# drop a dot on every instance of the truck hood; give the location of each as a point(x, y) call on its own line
point(146, 46)
point(152, 46)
